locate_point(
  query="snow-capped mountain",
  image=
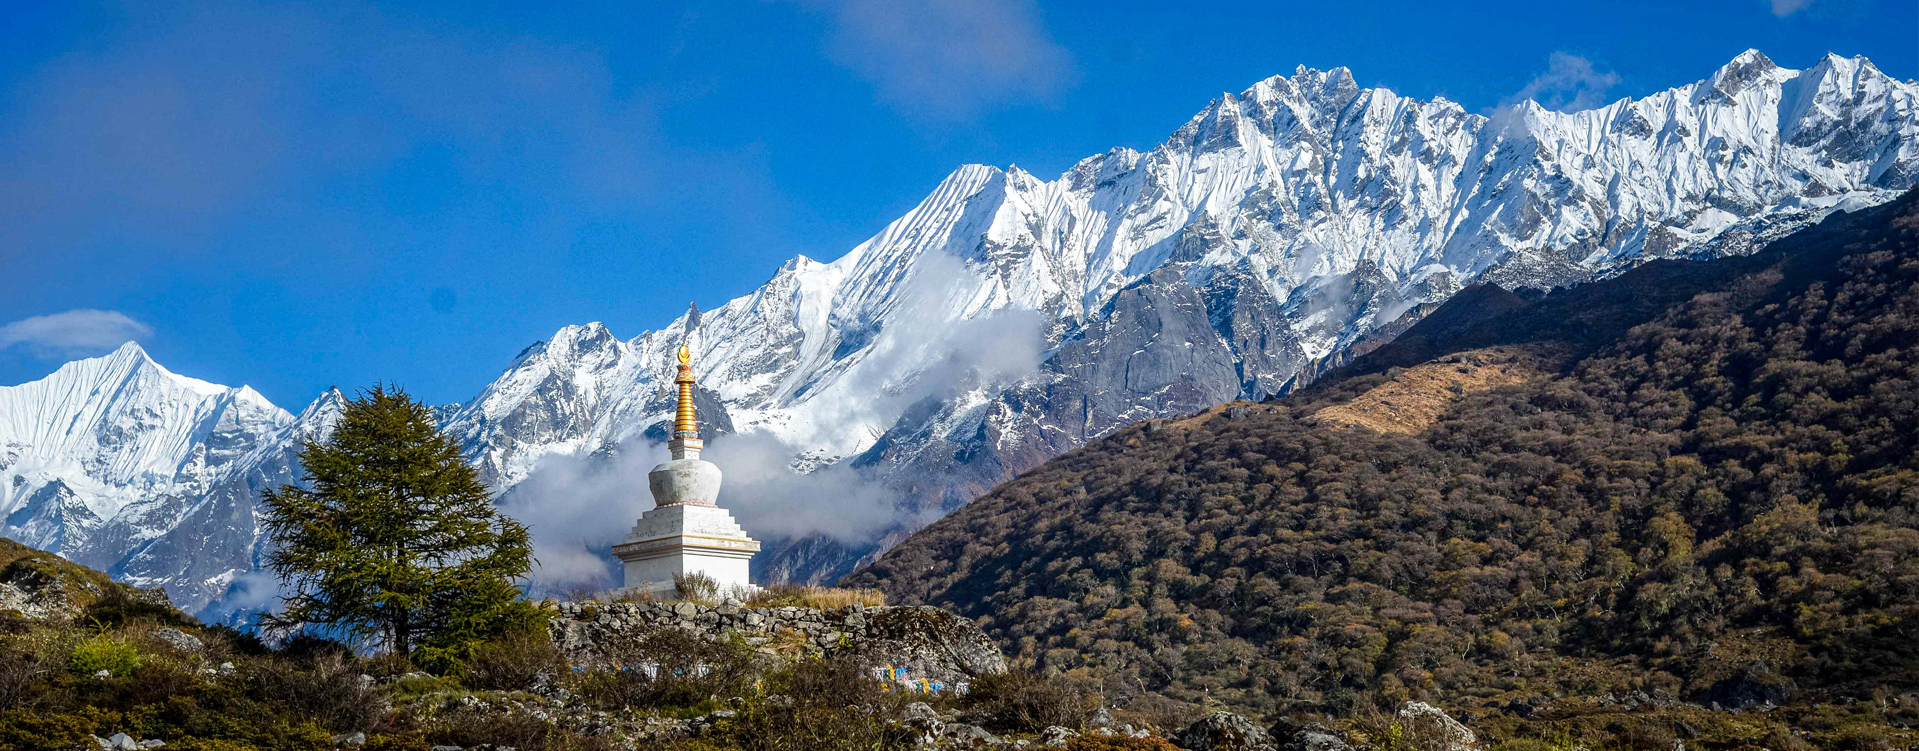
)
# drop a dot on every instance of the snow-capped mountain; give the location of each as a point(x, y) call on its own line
point(107, 452)
point(1008, 318)
point(119, 464)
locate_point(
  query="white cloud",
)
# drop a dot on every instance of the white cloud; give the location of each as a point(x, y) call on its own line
point(1783, 8)
point(577, 507)
point(1570, 83)
point(74, 332)
point(947, 58)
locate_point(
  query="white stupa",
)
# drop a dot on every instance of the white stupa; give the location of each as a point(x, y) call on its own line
point(686, 532)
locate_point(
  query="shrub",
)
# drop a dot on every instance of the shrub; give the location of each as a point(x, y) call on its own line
point(18, 673)
point(1026, 702)
point(24, 730)
point(516, 729)
point(834, 683)
point(697, 587)
point(669, 668)
point(153, 682)
point(326, 690)
point(110, 653)
point(118, 607)
point(823, 598)
point(1118, 743)
point(819, 705)
point(387, 665)
point(223, 641)
point(306, 646)
point(514, 661)
point(1160, 713)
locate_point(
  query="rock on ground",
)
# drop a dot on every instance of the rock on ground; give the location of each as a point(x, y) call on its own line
point(1224, 731)
point(1433, 728)
point(178, 639)
point(1310, 736)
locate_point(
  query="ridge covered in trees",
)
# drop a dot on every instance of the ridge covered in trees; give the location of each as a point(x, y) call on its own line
point(1706, 493)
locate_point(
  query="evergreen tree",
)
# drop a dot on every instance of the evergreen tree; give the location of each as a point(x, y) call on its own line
point(398, 541)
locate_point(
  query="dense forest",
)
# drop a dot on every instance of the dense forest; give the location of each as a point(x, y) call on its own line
point(1695, 483)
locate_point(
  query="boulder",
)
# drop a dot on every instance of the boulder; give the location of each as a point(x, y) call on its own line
point(1309, 736)
point(936, 644)
point(962, 735)
point(923, 721)
point(1224, 731)
point(1055, 736)
point(1431, 728)
point(1756, 686)
point(177, 639)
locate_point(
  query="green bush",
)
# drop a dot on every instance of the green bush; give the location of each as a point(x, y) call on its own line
point(110, 653)
point(514, 661)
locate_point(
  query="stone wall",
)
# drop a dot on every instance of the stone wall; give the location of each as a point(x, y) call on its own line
point(917, 643)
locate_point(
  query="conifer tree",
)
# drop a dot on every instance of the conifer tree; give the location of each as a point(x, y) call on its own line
point(397, 541)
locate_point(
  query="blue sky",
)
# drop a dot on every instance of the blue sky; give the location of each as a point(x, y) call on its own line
point(294, 196)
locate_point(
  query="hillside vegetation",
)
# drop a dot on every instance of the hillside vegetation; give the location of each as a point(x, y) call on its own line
point(1708, 496)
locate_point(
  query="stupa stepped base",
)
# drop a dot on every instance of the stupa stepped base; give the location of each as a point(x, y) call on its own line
point(683, 539)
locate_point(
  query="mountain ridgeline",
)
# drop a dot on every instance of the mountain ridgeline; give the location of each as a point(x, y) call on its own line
point(1696, 481)
point(1006, 319)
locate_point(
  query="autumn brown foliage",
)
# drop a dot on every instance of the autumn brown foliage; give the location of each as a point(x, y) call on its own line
point(1726, 479)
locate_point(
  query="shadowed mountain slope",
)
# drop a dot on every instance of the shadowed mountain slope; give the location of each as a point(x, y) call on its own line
point(1710, 493)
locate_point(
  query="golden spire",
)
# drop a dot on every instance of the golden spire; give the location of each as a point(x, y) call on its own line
point(685, 427)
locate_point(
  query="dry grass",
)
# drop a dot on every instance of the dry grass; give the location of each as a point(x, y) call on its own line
point(822, 598)
point(1416, 397)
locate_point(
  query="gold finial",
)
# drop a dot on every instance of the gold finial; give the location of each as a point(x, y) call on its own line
point(685, 427)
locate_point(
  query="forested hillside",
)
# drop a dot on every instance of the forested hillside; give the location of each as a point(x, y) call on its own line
point(1697, 480)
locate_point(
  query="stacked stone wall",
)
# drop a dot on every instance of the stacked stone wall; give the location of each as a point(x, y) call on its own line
point(921, 645)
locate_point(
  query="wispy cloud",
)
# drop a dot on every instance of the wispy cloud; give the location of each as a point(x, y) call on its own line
point(1570, 83)
point(948, 59)
point(1783, 8)
point(578, 506)
point(72, 333)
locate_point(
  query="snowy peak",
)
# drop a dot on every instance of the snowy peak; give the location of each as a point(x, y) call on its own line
point(1299, 214)
point(1750, 68)
point(109, 433)
point(126, 410)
